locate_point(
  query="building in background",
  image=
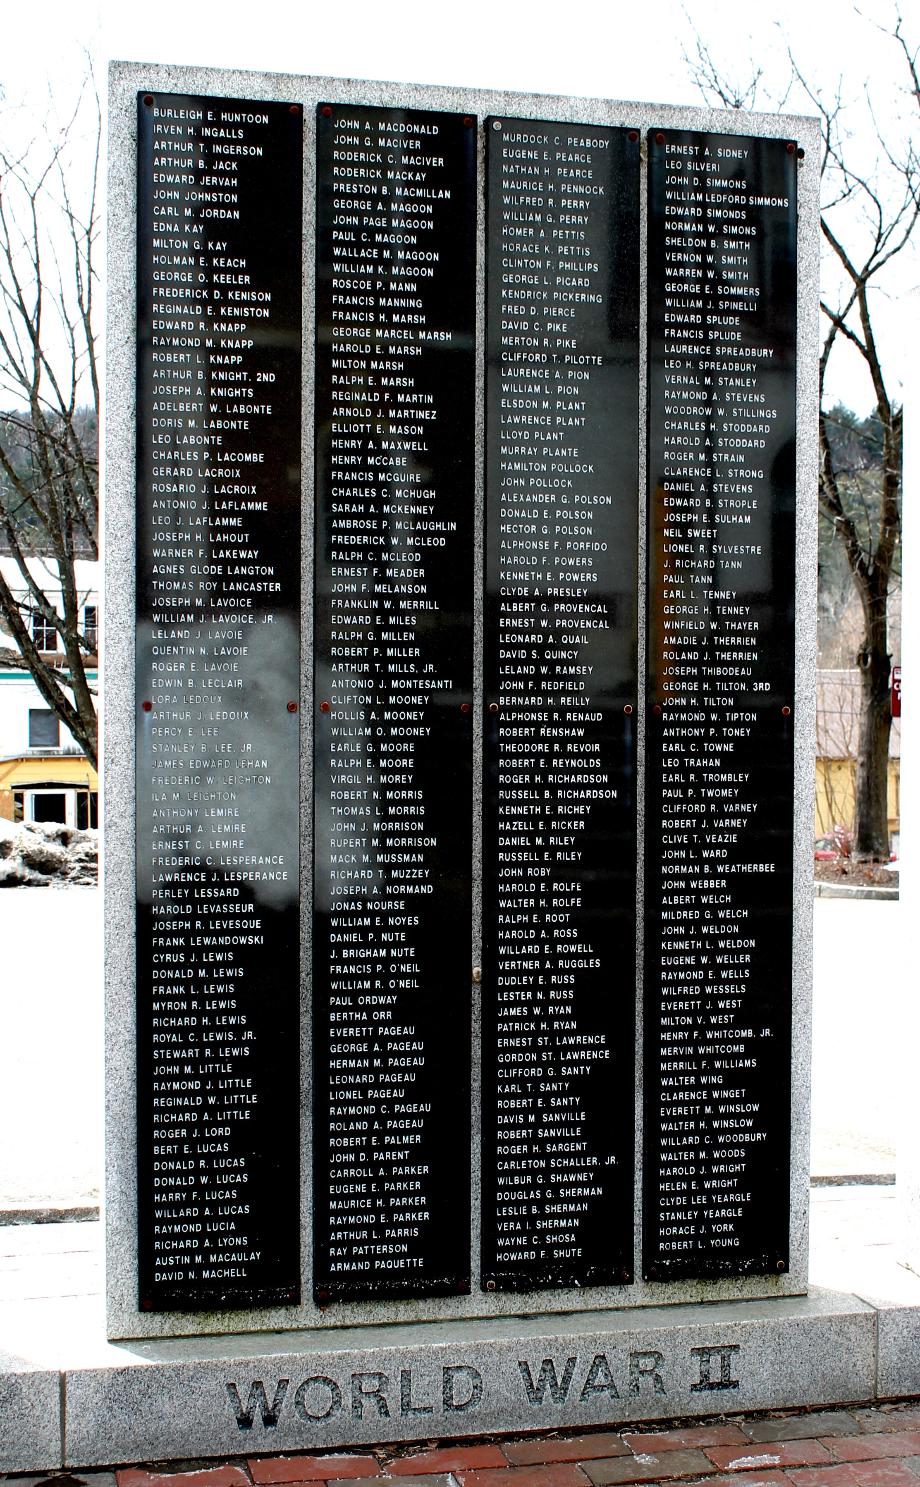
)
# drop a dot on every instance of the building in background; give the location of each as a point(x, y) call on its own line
point(44, 775)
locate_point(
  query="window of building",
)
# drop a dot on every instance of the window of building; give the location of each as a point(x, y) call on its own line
point(44, 729)
point(49, 805)
point(44, 633)
point(91, 625)
point(87, 809)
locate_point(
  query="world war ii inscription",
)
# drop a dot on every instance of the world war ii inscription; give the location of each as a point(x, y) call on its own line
point(560, 686)
point(217, 654)
point(722, 286)
point(395, 292)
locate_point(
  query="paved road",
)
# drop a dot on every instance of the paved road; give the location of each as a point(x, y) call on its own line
point(51, 1058)
point(51, 1067)
point(861, 981)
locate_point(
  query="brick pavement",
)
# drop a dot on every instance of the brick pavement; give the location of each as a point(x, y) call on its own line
point(864, 1446)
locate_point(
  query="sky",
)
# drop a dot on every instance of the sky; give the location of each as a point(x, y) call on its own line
point(604, 48)
point(585, 47)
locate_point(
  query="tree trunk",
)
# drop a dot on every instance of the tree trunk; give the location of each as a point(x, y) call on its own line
point(871, 836)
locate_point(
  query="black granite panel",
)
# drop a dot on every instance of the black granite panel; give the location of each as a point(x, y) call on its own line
point(560, 676)
point(722, 290)
point(395, 291)
point(218, 632)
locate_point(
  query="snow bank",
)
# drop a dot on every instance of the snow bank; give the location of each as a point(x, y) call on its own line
point(47, 855)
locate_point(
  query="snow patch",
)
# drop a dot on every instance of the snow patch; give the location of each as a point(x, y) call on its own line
point(46, 855)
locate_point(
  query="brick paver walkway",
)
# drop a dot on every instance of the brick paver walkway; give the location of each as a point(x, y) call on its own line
point(873, 1446)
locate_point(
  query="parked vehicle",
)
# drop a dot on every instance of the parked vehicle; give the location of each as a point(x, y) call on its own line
point(834, 845)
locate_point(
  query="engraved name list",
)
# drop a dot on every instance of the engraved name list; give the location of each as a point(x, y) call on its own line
point(218, 622)
point(721, 648)
point(560, 678)
point(393, 727)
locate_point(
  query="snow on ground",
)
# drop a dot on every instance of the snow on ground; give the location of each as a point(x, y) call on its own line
point(46, 855)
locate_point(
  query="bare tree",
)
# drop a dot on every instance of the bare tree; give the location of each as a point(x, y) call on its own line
point(49, 388)
point(868, 218)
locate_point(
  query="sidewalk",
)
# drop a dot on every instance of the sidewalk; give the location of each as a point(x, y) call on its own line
point(877, 1447)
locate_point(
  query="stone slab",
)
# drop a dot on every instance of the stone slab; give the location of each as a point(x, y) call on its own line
point(125, 1320)
point(190, 1398)
point(843, 890)
point(898, 1351)
point(30, 1417)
